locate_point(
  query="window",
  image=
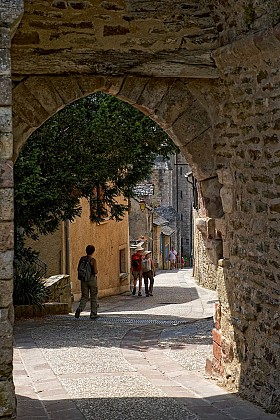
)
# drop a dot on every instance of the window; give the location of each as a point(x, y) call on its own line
point(122, 260)
point(181, 194)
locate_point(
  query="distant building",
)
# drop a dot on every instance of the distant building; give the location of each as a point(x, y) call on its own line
point(168, 198)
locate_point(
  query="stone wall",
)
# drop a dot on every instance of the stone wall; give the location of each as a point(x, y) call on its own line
point(59, 290)
point(247, 151)
point(9, 13)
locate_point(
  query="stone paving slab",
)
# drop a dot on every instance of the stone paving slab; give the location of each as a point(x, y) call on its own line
point(113, 368)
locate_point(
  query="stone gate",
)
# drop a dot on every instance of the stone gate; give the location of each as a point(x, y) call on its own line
point(208, 73)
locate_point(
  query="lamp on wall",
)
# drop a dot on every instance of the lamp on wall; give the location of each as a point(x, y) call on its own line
point(142, 204)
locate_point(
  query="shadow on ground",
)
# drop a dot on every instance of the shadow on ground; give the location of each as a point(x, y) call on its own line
point(137, 408)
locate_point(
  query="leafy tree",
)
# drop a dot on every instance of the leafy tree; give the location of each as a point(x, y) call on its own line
point(98, 148)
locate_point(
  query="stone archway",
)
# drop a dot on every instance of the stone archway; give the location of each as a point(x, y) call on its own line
point(179, 106)
point(228, 129)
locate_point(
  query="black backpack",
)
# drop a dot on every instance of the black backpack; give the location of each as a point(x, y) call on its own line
point(84, 269)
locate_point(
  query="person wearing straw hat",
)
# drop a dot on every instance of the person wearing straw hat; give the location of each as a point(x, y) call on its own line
point(148, 270)
point(136, 269)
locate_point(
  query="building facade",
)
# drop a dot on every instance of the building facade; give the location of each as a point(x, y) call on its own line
point(62, 250)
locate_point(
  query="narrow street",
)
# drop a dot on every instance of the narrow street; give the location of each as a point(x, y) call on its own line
point(142, 359)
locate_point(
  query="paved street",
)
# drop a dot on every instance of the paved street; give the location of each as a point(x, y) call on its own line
point(142, 359)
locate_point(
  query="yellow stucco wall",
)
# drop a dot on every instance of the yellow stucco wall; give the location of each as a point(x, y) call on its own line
point(109, 238)
point(51, 251)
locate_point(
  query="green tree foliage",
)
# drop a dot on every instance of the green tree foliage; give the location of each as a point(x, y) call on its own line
point(98, 148)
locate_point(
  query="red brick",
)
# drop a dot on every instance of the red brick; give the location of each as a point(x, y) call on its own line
point(217, 325)
point(217, 351)
point(217, 367)
point(217, 338)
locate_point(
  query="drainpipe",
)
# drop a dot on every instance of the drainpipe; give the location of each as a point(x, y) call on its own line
point(192, 205)
point(67, 246)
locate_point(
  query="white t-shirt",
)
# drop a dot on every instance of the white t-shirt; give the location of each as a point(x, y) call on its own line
point(172, 255)
point(146, 265)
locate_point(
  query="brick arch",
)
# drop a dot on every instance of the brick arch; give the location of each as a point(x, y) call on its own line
point(167, 101)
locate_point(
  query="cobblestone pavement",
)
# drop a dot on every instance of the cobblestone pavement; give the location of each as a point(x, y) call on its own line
point(142, 359)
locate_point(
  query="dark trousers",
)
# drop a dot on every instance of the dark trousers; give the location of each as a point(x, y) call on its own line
point(148, 275)
point(89, 289)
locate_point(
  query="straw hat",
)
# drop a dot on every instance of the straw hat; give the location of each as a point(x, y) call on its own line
point(139, 248)
point(147, 252)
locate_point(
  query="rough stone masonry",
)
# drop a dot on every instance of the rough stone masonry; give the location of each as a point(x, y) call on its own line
point(208, 73)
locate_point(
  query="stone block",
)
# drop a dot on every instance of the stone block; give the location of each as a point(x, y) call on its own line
point(152, 94)
point(217, 315)
point(68, 88)
point(217, 337)
point(192, 123)
point(26, 38)
point(5, 91)
point(132, 89)
point(201, 156)
point(6, 293)
point(5, 62)
point(227, 198)
point(5, 119)
point(6, 356)
point(115, 30)
point(6, 204)
point(6, 327)
point(6, 174)
point(176, 100)
point(227, 351)
point(90, 84)
point(27, 108)
point(6, 236)
point(221, 228)
point(113, 85)
point(5, 38)
point(201, 225)
point(210, 197)
point(267, 43)
point(10, 11)
point(59, 289)
point(35, 311)
point(43, 90)
point(7, 399)
point(57, 308)
point(6, 145)
point(6, 265)
point(214, 250)
point(22, 130)
point(211, 231)
point(225, 177)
